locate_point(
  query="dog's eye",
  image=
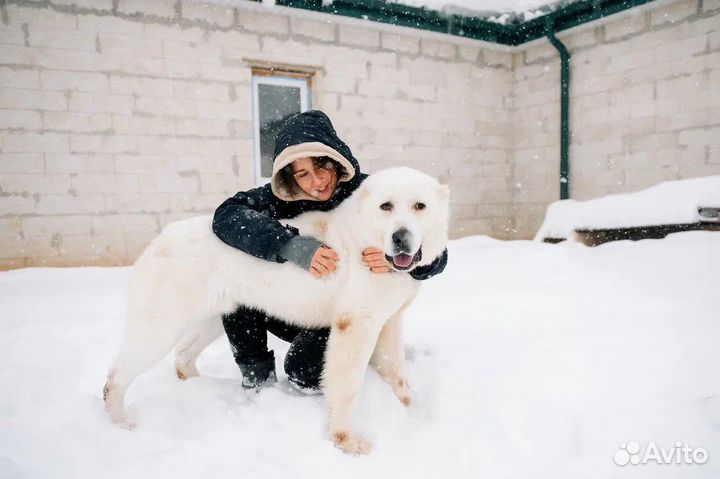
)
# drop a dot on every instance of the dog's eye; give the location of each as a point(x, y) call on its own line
point(419, 206)
point(387, 206)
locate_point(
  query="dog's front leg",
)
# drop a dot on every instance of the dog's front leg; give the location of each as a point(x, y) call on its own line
point(389, 357)
point(352, 340)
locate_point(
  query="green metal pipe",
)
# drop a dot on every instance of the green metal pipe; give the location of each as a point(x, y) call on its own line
point(564, 110)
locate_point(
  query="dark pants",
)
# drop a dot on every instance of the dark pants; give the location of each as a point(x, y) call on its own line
point(247, 330)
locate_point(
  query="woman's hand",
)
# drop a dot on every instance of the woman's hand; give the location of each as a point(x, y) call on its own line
point(374, 259)
point(323, 262)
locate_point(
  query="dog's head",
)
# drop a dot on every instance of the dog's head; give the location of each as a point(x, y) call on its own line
point(404, 212)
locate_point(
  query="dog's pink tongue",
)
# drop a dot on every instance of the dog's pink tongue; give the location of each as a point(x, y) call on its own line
point(402, 260)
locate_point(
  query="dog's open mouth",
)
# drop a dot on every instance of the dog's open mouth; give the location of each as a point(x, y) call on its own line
point(404, 261)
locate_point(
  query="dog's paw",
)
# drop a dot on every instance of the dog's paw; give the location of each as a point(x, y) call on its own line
point(402, 392)
point(351, 444)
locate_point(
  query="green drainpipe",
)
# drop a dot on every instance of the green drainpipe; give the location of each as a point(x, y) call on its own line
point(564, 110)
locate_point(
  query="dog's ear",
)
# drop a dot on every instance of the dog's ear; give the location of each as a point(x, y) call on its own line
point(443, 191)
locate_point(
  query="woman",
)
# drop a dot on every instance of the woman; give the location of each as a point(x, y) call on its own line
point(313, 170)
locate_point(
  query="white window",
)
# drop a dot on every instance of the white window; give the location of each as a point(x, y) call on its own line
point(276, 96)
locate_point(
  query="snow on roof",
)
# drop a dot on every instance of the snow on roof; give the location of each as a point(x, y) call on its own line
point(498, 11)
point(671, 202)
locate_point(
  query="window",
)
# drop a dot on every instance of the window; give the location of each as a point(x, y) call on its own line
point(276, 96)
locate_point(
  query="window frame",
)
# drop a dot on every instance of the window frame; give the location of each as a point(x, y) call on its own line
point(274, 77)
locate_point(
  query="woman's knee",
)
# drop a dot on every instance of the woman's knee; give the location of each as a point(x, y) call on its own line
point(306, 357)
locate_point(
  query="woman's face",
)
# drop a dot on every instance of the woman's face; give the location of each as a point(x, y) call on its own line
point(317, 181)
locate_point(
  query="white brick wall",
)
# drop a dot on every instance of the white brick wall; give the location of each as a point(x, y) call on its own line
point(114, 123)
point(644, 107)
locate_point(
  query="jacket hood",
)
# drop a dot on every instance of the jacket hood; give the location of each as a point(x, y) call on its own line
point(308, 134)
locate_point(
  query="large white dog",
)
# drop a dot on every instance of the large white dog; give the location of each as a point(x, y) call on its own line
point(187, 278)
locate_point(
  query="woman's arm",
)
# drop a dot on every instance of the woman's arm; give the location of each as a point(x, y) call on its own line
point(247, 222)
point(434, 268)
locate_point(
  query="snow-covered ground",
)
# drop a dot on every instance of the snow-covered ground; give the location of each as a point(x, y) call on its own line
point(526, 359)
point(667, 203)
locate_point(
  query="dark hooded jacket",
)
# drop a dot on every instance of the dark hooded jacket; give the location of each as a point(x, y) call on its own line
point(251, 220)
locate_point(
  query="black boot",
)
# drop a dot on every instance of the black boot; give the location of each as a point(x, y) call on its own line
point(305, 360)
point(258, 370)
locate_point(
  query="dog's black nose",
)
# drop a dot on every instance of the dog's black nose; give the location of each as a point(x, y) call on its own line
point(401, 240)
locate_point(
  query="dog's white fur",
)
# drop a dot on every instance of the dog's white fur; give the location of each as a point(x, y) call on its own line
point(187, 278)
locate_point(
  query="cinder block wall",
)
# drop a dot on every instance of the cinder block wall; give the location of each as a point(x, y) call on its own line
point(645, 106)
point(118, 117)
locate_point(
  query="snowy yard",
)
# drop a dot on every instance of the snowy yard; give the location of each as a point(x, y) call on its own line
point(526, 359)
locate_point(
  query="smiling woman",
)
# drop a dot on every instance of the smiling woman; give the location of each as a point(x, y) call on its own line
point(313, 170)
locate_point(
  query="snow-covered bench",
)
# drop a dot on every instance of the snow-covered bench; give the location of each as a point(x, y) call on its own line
point(669, 207)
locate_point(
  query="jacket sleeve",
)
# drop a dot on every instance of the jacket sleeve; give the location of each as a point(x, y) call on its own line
point(246, 222)
point(434, 268)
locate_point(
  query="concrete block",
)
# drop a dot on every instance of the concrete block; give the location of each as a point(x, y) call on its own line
point(141, 86)
point(498, 58)
point(269, 22)
point(19, 119)
point(400, 43)
point(119, 44)
point(108, 184)
point(41, 16)
point(206, 164)
point(141, 203)
point(21, 163)
point(319, 30)
point(683, 120)
point(135, 125)
point(168, 183)
point(88, 248)
point(26, 183)
point(674, 12)
point(33, 56)
point(152, 145)
point(174, 33)
point(365, 37)
point(235, 39)
point(438, 49)
point(51, 225)
point(10, 228)
point(73, 163)
point(157, 8)
point(12, 34)
point(213, 14)
point(19, 99)
point(110, 24)
point(468, 53)
point(73, 81)
point(201, 90)
point(139, 164)
point(13, 78)
point(192, 127)
point(681, 86)
point(43, 36)
point(102, 5)
point(117, 224)
point(627, 25)
point(16, 205)
point(76, 122)
point(682, 49)
point(700, 136)
point(193, 52)
point(103, 144)
point(70, 204)
point(16, 249)
point(99, 103)
point(33, 142)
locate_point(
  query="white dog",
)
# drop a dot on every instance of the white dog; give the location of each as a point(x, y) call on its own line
point(187, 278)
